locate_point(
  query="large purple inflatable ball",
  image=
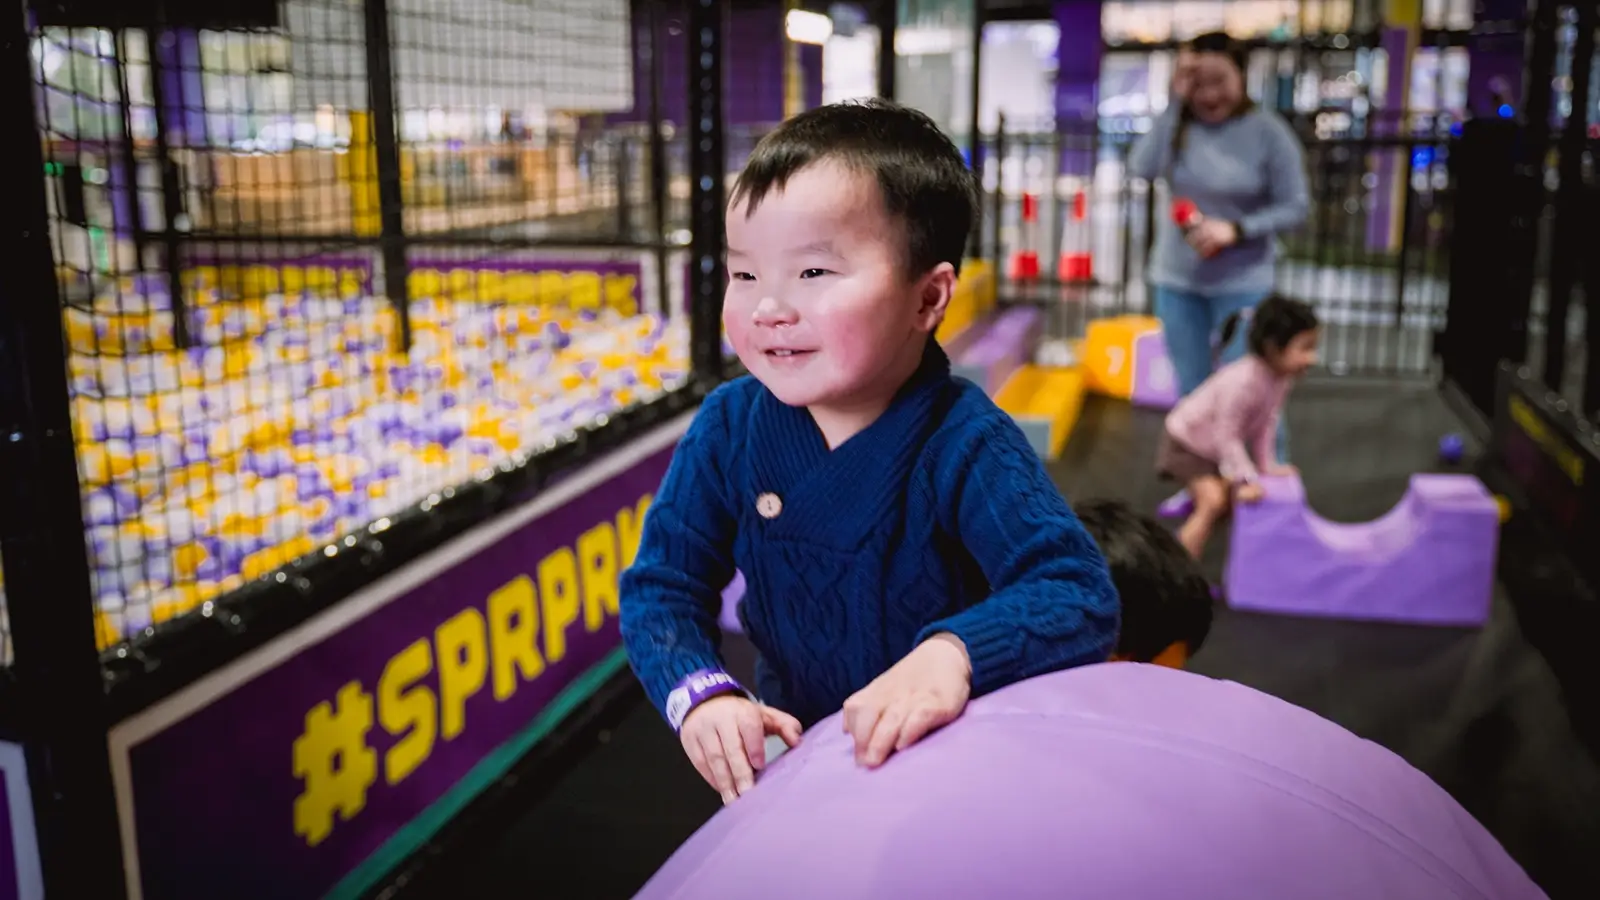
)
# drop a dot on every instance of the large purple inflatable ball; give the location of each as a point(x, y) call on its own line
point(1113, 781)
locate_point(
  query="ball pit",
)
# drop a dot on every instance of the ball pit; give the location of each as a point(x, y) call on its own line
point(291, 422)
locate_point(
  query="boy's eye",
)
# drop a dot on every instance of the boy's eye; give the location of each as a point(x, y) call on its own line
point(743, 276)
point(813, 273)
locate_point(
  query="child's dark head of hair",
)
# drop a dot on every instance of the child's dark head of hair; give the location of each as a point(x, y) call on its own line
point(1282, 331)
point(1166, 601)
point(925, 183)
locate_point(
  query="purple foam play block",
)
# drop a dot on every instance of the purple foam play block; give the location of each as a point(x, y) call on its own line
point(1429, 560)
point(1004, 343)
point(731, 595)
point(1155, 381)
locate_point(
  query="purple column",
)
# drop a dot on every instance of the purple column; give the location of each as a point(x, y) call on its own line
point(183, 107)
point(811, 71)
point(752, 69)
point(1497, 49)
point(124, 192)
point(1078, 52)
point(1389, 165)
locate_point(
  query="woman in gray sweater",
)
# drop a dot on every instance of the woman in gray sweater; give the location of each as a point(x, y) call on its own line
point(1244, 170)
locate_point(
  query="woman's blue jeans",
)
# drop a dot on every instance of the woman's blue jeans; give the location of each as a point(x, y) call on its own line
point(1189, 321)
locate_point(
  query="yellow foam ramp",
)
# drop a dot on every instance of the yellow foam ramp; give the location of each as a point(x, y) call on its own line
point(1046, 403)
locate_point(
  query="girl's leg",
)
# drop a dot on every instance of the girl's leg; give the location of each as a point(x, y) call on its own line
point(1210, 504)
point(1186, 326)
point(1223, 306)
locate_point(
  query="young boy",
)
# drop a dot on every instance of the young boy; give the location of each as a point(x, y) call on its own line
point(1166, 601)
point(902, 545)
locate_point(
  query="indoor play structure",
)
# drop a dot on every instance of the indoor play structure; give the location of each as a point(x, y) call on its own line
point(1430, 560)
point(1176, 779)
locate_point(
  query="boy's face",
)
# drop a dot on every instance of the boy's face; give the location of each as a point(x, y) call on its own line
point(819, 306)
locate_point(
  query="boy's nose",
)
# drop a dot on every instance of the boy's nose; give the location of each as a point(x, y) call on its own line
point(772, 312)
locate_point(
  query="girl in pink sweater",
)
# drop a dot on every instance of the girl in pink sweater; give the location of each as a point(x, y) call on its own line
point(1222, 436)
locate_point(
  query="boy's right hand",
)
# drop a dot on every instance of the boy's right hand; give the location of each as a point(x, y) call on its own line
point(726, 739)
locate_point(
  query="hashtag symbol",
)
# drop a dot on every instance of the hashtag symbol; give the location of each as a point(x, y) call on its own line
point(334, 763)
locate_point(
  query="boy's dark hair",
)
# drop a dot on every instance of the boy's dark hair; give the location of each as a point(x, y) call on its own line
point(924, 181)
point(1165, 598)
point(1273, 324)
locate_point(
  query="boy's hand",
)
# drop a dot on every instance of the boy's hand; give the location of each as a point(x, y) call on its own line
point(1282, 470)
point(1250, 493)
point(924, 691)
point(726, 738)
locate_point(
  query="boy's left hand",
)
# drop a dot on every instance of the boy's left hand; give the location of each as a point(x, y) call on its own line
point(925, 690)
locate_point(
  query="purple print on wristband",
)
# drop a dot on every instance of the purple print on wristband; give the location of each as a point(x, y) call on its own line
point(696, 689)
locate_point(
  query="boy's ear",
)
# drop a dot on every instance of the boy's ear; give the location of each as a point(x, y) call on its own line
point(938, 286)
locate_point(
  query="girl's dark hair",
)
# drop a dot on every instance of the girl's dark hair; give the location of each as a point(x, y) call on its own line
point(1273, 324)
point(1213, 42)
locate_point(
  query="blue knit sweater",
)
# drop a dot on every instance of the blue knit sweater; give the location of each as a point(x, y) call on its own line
point(938, 517)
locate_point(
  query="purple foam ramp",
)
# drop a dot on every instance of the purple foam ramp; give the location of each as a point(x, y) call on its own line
point(1155, 381)
point(731, 595)
point(1429, 560)
point(1004, 343)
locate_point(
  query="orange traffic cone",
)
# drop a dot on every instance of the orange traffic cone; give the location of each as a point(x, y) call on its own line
point(1077, 258)
point(1025, 260)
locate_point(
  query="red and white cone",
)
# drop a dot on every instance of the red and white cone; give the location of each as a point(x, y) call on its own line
point(1025, 259)
point(1076, 263)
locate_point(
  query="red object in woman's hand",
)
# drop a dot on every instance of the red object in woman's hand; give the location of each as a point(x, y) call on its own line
point(1185, 213)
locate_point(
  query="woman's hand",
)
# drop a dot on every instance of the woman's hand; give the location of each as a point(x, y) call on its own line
point(1212, 236)
point(1182, 75)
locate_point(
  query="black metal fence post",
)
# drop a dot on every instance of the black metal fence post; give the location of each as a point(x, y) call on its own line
point(1529, 190)
point(49, 593)
point(171, 184)
point(708, 170)
point(975, 138)
point(650, 10)
point(886, 15)
point(1567, 235)
point(386, 144)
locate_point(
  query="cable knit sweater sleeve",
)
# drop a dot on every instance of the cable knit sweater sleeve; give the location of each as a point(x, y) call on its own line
point(672, 593)
point(1052, 604)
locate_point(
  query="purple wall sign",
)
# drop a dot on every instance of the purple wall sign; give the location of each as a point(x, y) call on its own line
point(309, 768)
point(20, 878)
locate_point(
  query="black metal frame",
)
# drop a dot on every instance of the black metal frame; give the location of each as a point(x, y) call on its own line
point(708, 169)
point(50, 598)
point(1572, 232)
point(56, 689)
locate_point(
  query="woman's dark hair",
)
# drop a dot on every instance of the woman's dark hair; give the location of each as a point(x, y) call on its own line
point(1273, 324)
point(1165, 597)
point(1237, 53)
